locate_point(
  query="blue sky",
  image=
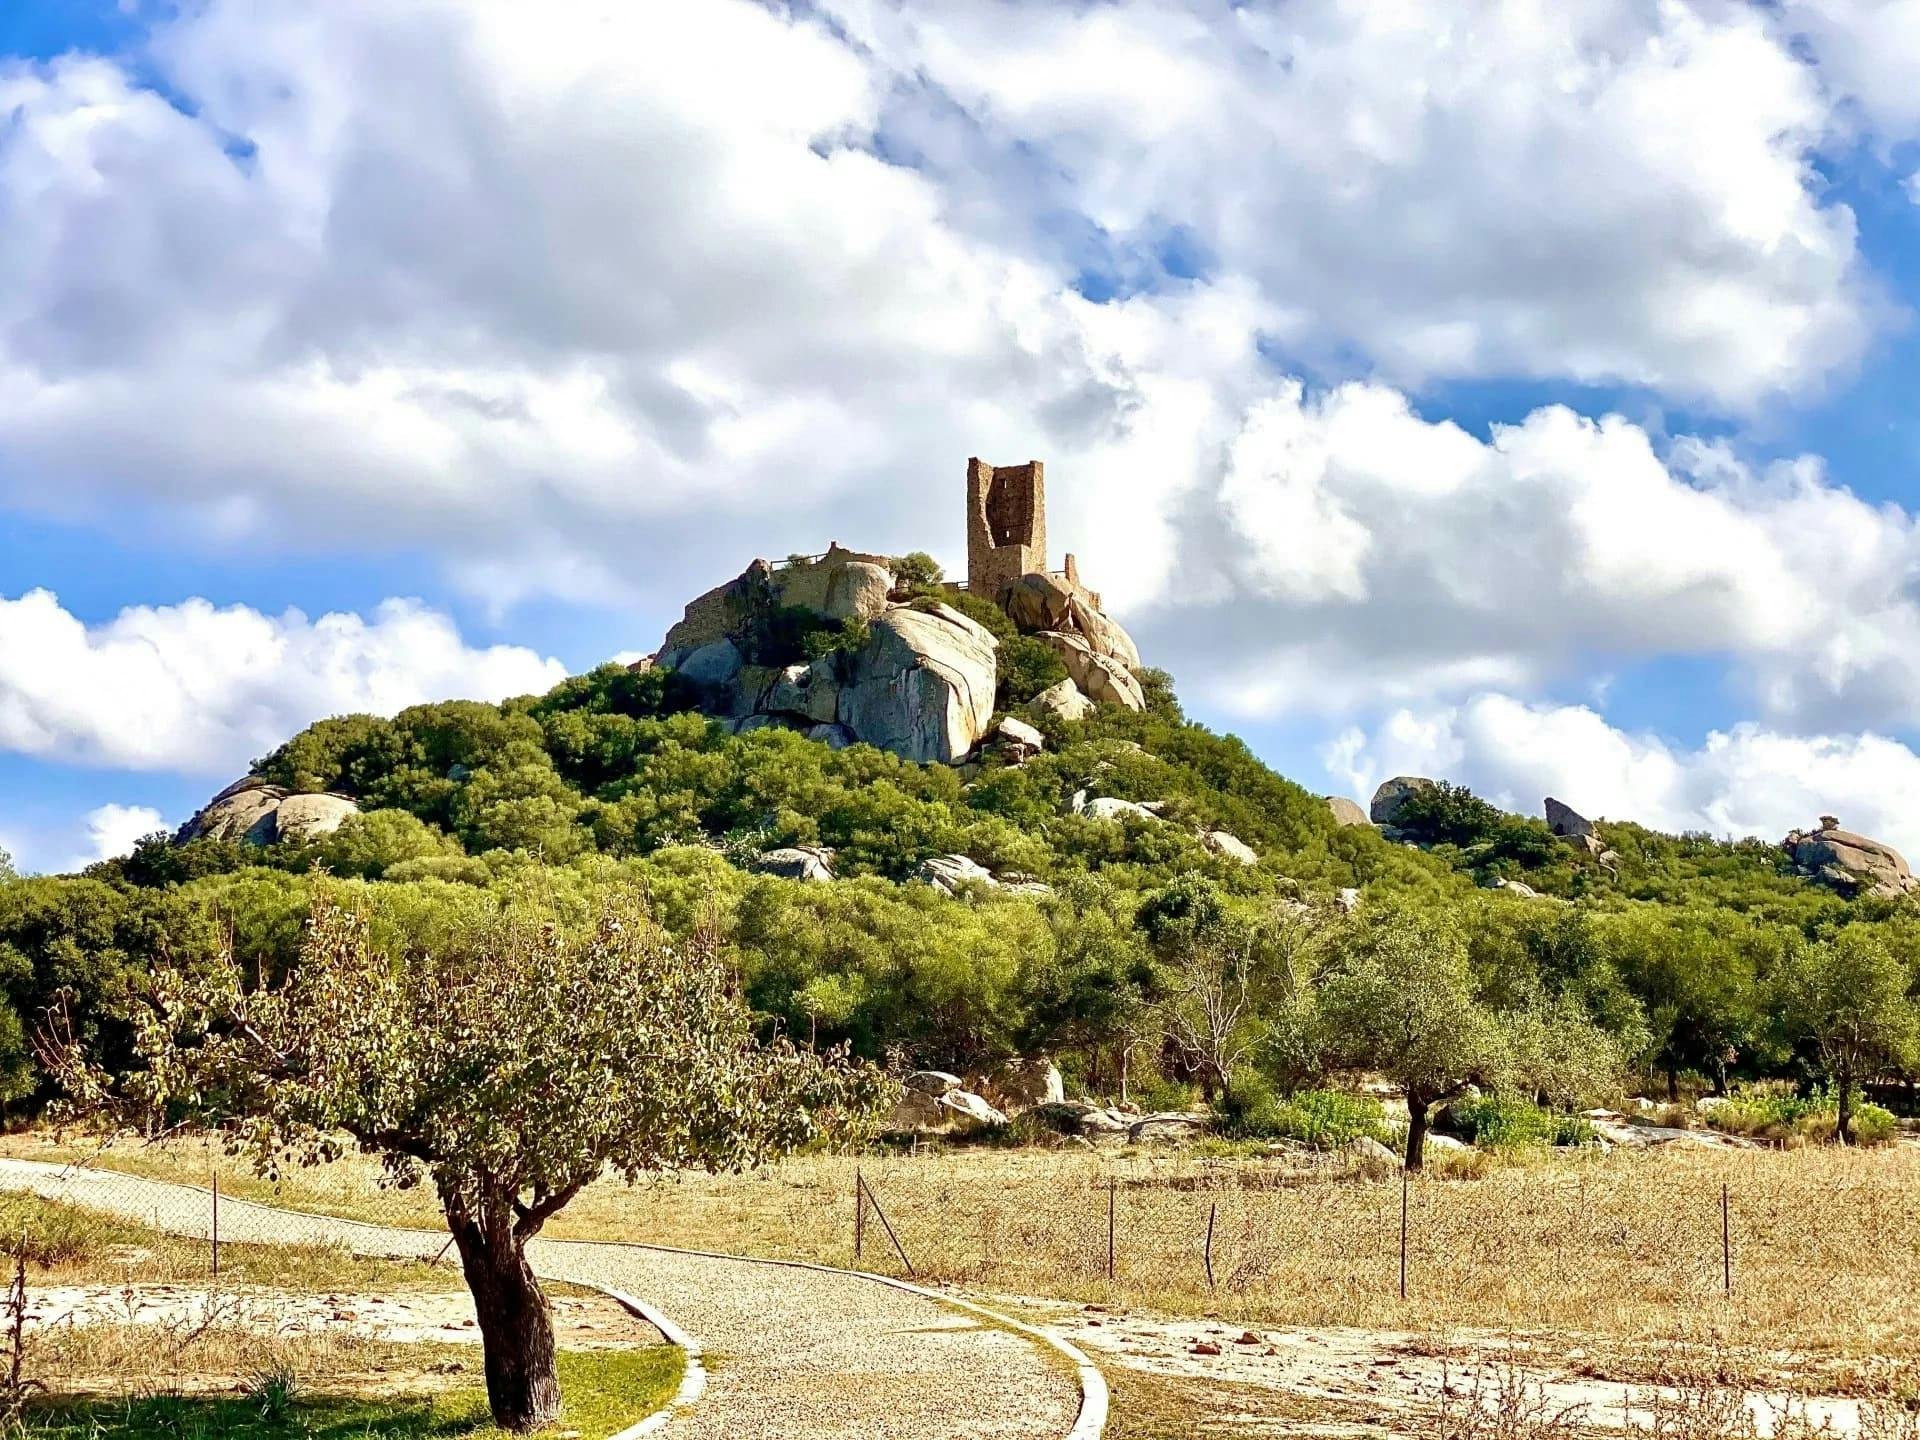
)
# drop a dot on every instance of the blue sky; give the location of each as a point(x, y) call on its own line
point(1521, 396)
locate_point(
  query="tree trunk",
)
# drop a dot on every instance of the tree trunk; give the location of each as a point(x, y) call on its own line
point(1418, 1121)
point(1843, 1121)
point(1673, 1083)
point(516, 1327)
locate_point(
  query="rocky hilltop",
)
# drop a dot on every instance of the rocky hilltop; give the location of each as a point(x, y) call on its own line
point(837, 646)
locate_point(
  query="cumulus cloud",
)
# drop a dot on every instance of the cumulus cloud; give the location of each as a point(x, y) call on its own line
point(112, 830)
point(1868, 53)
point(1593, 190)
point(586, 299)
point(1746, 780)
point(1367, 554)
point(195, 688)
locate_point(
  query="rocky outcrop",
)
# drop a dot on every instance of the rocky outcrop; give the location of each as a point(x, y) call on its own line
point(932, 1100)
point(1231, 846)
point(1567, 822)
point(1062, 701)
point(840, 585)
point(1100, 678)
point(1393, 794)
point(955, 874)
point(1107, 807)
point(1345, 812)
point(811, 863)
point(1168, 1127)
point(1015, 741)
point(304, 818)
point(1022, 1084)
point(923, 684)
point(1053, 603)
point(1850, 863)
point(254, 812)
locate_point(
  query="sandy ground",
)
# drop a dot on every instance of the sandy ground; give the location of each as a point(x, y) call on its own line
point(1396, 1373)
point(580, 1323)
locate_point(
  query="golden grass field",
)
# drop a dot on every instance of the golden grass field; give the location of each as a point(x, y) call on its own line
point(1627, 1246)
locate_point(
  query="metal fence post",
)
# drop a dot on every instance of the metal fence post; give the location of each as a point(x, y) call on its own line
point(1112, 1185)
point(1405, 1185)
point(1213, 1213)
point(1726, 1238)
point(216, 1222)
point(859, 1215)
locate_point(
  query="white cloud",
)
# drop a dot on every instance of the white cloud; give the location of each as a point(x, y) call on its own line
point(584, 298)
point(193, 688)
point(112, 830)
point(1748, 780)
point(1590, 189)
point(1869, 56)
point(1366, 554)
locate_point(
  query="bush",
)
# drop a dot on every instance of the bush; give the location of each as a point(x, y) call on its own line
point(1505, 1121)
point(1324, 1119)
point(1774, 1113)
point(1027, 667)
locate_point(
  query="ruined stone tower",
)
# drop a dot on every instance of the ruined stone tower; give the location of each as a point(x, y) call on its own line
point(1006, 524)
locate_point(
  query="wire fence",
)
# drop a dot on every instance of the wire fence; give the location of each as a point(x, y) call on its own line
point(1803, 1244)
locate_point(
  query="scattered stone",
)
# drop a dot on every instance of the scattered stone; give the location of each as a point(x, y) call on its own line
point(1365, 1147)
point(1220, 842)
point(1347, 901)
point(1167, 1127)
point(1019, 1085)
point(951, 874)
point(1515, 887)
point(970, 1109)
point(1204, 1347)
point(810, 863)
point(932, 1082)
point(1017, 740)
point(1109, 808)
point(1062, 701)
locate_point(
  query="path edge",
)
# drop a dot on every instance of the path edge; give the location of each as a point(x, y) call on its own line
point(1095, 1401)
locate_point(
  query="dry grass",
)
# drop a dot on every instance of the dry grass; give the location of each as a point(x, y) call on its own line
point(1626, 1246)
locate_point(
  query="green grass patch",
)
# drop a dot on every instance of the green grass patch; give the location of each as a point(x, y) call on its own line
point(1501, 1122)
point(605, 1391)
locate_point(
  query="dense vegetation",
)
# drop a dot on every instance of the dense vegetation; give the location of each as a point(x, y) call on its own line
point(1686, 956)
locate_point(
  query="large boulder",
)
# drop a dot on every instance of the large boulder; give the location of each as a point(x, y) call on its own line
point(951, 874)
point(1062, 701)
point(1567, 822)
point(243, 811)
point(1231, 846)
point(304, 818)
point(1848, 861)
point(809, 691)
point(1023, 1084)
point(923, 684)
point(1393, 794)
point(1172, 1126)
point(1345, 812)
point(1015, 740)
point(1100, 678)
point(1108, 807)
point(256, 813)
point(839, 585)
point(713, 670)
point(811, 863)
point(1037, 603)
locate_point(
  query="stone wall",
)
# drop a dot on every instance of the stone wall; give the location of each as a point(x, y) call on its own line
point(1006, 524)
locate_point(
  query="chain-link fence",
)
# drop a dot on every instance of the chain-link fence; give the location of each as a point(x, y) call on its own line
point(1799, 1244)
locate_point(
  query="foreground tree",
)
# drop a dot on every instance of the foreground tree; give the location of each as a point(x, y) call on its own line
point(1849, 999)
point(1402, 1000)
point(508, 1067)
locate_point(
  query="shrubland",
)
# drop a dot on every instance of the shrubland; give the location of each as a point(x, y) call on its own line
point(1150, 966)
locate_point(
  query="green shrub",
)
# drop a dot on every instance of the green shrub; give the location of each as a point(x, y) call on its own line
point(1027, 667)
point(1324, 1119)
point(1504, 1121)
point(1773, 1112)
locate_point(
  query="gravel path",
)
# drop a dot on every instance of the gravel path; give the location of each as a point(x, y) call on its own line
point(791, 1352)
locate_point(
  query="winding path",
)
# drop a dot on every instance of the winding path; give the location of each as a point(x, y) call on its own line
point(792, 1351)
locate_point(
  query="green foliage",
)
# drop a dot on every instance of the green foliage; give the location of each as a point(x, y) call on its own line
point(1445, 814)
point(7, 871)
point(1848, 1000)
point(917, 568)
point(1774, 1112)
point(1500, 1122)
point(1026, 667)
point(1324, 1119)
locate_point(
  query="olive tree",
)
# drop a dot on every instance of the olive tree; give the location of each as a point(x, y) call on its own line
point(507, 1067)
point(1400, 998)
point(1848, 998)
